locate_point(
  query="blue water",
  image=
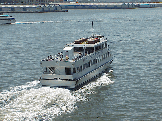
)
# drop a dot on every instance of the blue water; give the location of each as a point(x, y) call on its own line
point(130, 90)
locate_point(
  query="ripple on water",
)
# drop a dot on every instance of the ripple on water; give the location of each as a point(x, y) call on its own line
point(32, 102)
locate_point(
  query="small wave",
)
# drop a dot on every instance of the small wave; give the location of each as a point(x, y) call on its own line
point(33, 22)
point(36, 22)
point(89, 89)
point(34, 102)
point(31, 102)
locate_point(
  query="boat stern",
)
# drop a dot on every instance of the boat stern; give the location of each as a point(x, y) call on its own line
point(58, 83)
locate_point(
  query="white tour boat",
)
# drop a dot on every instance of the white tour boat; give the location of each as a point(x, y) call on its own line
point(78, 63)
point(6, 19)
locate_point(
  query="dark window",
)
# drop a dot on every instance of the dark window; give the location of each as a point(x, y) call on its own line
point(74, 70)
point(67, 71)
point(88, 64)
point(80, 68)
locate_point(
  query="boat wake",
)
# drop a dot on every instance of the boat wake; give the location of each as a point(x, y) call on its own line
point(36, 22)
point(34, 102)
point(102, 81)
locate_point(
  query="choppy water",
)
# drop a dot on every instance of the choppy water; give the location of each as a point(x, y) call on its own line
point(130, 90)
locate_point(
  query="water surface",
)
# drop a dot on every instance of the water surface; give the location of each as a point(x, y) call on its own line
point(130, 90)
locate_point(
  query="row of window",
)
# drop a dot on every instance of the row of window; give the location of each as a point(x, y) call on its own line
point(78, 69)
point(90, 49)
point(91, 62)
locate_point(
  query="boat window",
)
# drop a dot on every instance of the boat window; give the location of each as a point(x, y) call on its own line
point(74, 70)
point(89, 64)
point(98, 47)
point(80, 68)
point(78, 49)
point(108, 54)
point(94, 61)
point(67, 71)
point(89, 50)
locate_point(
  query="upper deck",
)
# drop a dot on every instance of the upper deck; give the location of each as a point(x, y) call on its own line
point(88, 42)
point(79, 50)
point(4, 16)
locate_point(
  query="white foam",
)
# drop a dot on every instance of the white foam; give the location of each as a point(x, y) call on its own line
point(42, 103)
point(33, 102)
point(30, 103)
point(35, 22)
point(88, 89)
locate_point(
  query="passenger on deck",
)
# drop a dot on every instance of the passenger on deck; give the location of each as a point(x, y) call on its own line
point(66, 58)
point(50, 57)
point(61, 55)
point(47, 58)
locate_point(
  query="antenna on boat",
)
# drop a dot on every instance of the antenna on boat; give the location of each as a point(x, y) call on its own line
point(92, 30)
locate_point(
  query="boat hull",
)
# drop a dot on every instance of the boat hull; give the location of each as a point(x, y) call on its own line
point(7, 21)
point(79, 82)
point(93, 74)
point(58, 83)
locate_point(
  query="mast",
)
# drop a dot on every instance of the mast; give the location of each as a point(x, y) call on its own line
point(92, 29)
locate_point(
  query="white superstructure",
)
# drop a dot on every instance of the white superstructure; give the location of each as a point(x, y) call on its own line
point(6, 19)
point(78, 63)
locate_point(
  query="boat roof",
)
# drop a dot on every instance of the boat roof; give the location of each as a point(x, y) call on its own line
point(86, 44)
point(68, 48)
point(4, 15)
